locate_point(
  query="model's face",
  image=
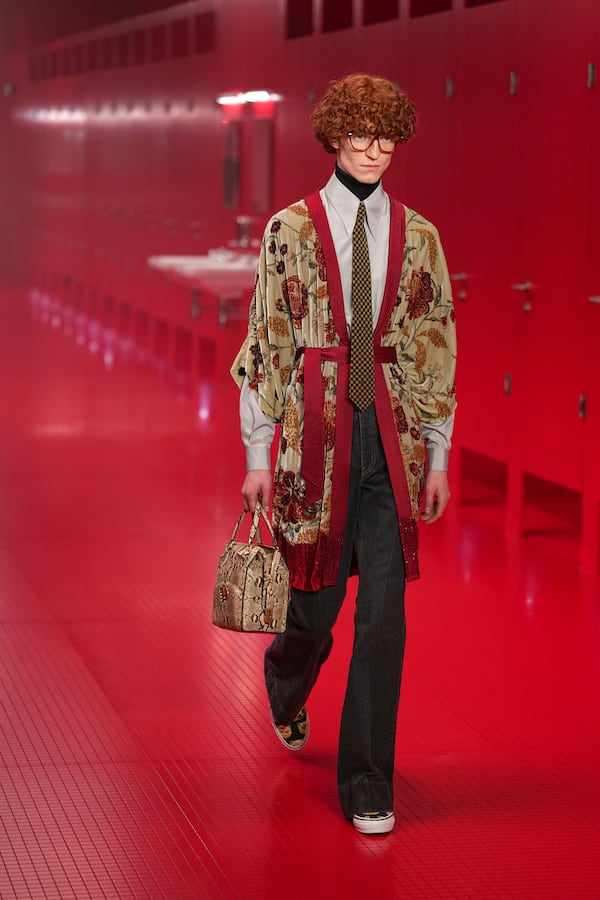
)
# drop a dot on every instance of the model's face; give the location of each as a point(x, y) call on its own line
point(367, 165)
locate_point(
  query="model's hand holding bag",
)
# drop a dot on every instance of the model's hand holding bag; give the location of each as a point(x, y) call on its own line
point(253, 583)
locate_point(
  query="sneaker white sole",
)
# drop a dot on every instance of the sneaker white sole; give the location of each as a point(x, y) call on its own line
point(369, 825)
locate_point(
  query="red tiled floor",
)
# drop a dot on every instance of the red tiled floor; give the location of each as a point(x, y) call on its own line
point(136, 757)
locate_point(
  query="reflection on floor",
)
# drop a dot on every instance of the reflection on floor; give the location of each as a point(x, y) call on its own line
point(137, 759)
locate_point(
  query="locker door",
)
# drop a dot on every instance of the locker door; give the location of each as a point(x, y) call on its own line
point(485, 218)
point(425, 166)
point(550, 284)
point(590, 549)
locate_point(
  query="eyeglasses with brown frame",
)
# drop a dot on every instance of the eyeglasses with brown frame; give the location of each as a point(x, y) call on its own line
point(360, 143)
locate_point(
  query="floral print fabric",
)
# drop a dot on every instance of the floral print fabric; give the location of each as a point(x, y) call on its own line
point(291, 317)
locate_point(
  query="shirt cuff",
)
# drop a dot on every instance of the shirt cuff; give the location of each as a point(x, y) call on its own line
point(258, 457)
point(437, 458)
point(439, 441)
point(257, 430)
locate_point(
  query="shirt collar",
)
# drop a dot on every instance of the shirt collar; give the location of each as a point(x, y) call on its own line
point(345, 204)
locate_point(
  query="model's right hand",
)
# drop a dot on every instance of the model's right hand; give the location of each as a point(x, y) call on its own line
point(257, 486)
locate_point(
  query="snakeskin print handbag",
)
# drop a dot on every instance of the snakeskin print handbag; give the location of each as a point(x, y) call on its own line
point(253, 583)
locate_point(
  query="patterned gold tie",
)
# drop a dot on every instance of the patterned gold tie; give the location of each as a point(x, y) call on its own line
point(362, 376)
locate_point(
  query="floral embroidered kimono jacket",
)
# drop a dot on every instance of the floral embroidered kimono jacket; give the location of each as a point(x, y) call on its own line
point(296, 357)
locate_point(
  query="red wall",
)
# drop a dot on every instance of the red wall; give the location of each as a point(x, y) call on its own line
point(102, 168)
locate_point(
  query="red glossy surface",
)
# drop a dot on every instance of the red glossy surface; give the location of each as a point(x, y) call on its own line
point(549, 188)
point(113, 149)
point(136, 755)
point(489, 159)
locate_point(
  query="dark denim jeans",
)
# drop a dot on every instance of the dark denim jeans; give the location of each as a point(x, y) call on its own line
point(293, 660)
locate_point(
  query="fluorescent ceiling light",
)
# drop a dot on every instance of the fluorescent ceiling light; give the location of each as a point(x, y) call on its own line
point(247, 97)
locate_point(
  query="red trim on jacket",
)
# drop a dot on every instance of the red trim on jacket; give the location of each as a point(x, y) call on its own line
point(308, 571)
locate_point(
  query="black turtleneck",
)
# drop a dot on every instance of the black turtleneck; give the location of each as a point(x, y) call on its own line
point(358, 188)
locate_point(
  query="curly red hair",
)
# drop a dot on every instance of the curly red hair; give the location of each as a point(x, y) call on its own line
point(364, 104)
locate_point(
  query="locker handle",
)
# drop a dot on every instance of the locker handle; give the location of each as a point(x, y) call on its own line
point(524, 286)
point(594, 299)
point(195, 305)
point(461, 279)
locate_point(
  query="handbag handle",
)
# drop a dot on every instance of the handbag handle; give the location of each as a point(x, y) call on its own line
point(258, 512)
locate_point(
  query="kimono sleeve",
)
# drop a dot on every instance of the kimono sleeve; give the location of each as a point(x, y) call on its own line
point(268, 352)
point(430, 354)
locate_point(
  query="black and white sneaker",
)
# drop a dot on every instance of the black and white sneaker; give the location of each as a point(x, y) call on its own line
point(377, 822)
point(295, 735)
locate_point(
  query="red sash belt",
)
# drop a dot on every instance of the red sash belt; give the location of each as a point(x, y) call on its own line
point(313, 457)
